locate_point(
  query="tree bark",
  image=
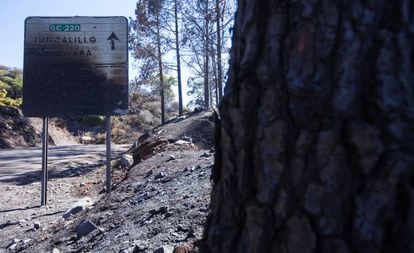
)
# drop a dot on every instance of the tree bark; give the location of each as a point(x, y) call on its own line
point(316, 143)
point(177, 50)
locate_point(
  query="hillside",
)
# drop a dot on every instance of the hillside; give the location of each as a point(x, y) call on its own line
point(19, 131)
point(157, 204)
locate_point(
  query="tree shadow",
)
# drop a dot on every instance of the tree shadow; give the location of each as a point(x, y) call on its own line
point(35, 176)
point(18, 209)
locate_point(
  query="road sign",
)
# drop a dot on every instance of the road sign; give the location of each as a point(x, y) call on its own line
point(75, 66)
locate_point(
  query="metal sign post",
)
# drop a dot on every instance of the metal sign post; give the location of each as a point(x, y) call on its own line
point(45, 143)
point(108, 154)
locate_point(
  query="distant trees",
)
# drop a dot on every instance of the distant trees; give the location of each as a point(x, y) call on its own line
point(198, 34)
point(11, 84)
point(147, 42)
point(206, 36)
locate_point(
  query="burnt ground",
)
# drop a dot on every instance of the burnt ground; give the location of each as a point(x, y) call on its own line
point(161, 201)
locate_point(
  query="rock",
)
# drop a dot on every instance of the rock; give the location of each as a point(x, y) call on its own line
point(168, 214)
point(164, 249)
point(134, 249)
point(22, 222)
point(77, 207)
point(55, 250)
point(14, 246)
point(36, 225)
point(161, 210)
point(126, 161)
point(139, 187)
point(202, 174)
point(149, 173)
point(171, 158)
point(187, 139)
point(205, 154)
point(15, 240)
point(26, 241)
point(84, 228)
point(142, 197)
point(160, 175)
point(182, 142)
point(182, 228)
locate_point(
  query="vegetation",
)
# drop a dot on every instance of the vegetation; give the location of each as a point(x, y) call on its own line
point(11, 84)
point(166, 34)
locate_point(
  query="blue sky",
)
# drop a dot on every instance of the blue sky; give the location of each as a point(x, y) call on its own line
point(14, 12)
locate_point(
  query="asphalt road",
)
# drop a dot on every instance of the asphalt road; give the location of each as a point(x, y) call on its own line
point(16, 164)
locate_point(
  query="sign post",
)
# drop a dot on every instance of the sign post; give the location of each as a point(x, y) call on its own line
point(108, 154)
point(75, 66)
point(45, 144)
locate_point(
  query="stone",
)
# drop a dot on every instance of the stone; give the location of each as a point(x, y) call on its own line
point(77, 207)
point(142, 197)
point(160, 175)
point(161, 210)
point(36, 225)
point(205, 154)
point(187, 139)
point(133, 249)
point(168, 214)
point(139, 187)
point(182, 228)
point(171, 158)
point(164, 249)
point(22, 222)
point(84, 228)
point(55, 250)
point(202, 174)
point(26, 241)
point(149, 173)
point(13, 246)
point(181, 142)
point(126, 161)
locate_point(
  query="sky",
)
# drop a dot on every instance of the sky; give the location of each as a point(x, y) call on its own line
point(14, 12)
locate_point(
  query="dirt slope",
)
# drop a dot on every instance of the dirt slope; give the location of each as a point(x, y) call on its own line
point(161, 201)
point(19, 131)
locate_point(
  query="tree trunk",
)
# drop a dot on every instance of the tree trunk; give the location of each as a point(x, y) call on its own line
point(213, 75)
point(160, 71)
point(219, 65)
point(206, 56)
point(316, 143)
point(177, 50)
